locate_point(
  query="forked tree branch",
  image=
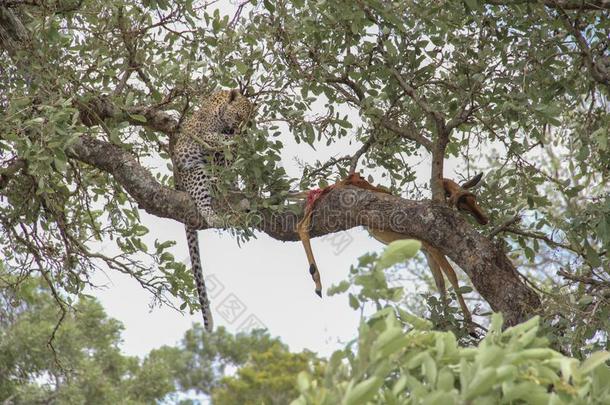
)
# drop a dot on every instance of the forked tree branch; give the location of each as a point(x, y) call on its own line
point(596, 67)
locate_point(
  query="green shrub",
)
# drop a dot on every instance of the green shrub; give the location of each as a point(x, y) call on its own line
point(390, 366)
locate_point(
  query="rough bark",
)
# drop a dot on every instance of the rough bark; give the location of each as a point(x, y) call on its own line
point(12, 30)
point(138, 181)
point(490, 271)
point(99, 109)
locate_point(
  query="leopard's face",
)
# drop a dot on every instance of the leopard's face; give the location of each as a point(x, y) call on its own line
point(231, 111)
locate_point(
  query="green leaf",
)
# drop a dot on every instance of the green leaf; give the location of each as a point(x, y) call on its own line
point(342, 287)
point(601, 135)
point(303, 381)
point(269, 6)
point(465, 289)
point(363, 391)
point(594, 361)
point(446, 380)
point(418, 323)
point(429, 369)
point(585, 300)
point(523, 327)
point(398, 251)
point(241, 67)
point(592, 255)
point(482, 382)
point(60, 164)
point(387, 337)
point(353, 301)
point(138, 117)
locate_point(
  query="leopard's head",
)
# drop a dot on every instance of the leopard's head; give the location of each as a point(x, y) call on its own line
point(231, 110)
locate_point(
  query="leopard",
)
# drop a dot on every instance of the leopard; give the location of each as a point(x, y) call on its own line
point(200, 146)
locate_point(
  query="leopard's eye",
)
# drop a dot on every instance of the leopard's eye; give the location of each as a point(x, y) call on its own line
point(228, 131)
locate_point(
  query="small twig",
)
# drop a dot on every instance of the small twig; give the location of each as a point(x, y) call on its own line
point(363, 149)
point(531, 284)
point(504, 225)
point(331, 162)
point(237, 14)
point(409, 133)
point(434, 115)
point(599, 75)
point(582, 279)
point(56, 296)
point(542, 237)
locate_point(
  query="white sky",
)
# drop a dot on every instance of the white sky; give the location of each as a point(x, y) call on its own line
point(270, 278)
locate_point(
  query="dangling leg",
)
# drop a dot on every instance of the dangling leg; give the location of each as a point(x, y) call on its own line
point(303, 231)
point(387, 237)
point(446, 268)
point(437, 274)
point(450, 273)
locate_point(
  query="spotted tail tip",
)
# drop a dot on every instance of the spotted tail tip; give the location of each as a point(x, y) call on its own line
point(208, 321)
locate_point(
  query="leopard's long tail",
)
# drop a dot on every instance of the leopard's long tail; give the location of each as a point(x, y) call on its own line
point(193, 244)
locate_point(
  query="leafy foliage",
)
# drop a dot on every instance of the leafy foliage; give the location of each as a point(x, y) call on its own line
point(208, 357)
point(78, 363)
point(375, 280)
point(267, 378)
point(518, 89)
point(389, 366)
point(399, 358)
point(368, 280)
point(85, 364)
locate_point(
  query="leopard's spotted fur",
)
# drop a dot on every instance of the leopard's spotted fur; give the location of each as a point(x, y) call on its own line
point(200, 144)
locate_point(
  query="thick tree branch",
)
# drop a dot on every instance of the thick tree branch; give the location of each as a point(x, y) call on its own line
point(438, 163)
point(98, 109)
point(363, 149)
point(12, 31)
point(490, 270)
point(436, 117)
point(440, 141)
point(151, 196)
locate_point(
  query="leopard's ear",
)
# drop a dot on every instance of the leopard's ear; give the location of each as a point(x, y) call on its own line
point(233, 95)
